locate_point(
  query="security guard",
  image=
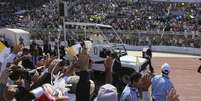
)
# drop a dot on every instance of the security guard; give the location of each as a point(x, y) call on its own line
point(147, 54)
point(161, 84)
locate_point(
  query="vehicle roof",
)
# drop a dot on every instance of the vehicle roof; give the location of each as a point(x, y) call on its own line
point(14, 31)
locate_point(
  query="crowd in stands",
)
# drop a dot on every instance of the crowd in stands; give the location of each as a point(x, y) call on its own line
point(29, 14)
point(192, 41)
point(121, 14)
point(167, 40)
point(143, 15)
point(36, 73)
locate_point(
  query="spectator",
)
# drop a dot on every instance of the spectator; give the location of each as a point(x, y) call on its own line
point(83, 86)
point(34, 52)
point(44, 82)
point(135, 87)
point(3, 80)
point(46, 48)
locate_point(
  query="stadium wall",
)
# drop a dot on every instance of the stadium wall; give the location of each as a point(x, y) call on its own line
point(167, 49)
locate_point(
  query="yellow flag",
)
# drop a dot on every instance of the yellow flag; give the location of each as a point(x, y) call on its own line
point(70, 51)
point(2, 47)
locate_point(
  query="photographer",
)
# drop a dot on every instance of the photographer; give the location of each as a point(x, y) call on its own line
point(147, 54)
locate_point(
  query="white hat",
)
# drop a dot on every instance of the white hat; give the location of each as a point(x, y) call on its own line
point(165, 68)
point(107, 92)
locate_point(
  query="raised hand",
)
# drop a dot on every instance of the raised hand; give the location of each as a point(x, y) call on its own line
point(83, 60)
point(54, 65)
point(146, 82)
point(108, 62)
point(172, 95)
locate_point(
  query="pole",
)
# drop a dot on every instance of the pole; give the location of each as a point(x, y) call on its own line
point(64, 30)
point(64, 26)
point(85, 33)
point(58, 40)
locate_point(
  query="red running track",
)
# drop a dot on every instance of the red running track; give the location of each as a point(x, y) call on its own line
point(184, 75)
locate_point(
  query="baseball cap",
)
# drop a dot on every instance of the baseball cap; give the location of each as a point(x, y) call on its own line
point(165, 68)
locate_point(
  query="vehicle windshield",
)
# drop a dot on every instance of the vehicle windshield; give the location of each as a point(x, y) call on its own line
point(120, 49)
point(99, 34)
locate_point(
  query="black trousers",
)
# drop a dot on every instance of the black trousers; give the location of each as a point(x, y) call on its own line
point(150, 66)
point(199, 69)
point(83, 87)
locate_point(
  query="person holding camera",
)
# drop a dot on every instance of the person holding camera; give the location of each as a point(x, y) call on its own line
point(147, 54)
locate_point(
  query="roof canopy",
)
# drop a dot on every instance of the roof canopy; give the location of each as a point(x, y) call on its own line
point(16, 31)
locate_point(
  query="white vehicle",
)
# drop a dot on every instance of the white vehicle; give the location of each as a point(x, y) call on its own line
point(15, 36)
point(104, 38)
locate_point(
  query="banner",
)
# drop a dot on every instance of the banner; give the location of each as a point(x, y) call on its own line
point(4, 56)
